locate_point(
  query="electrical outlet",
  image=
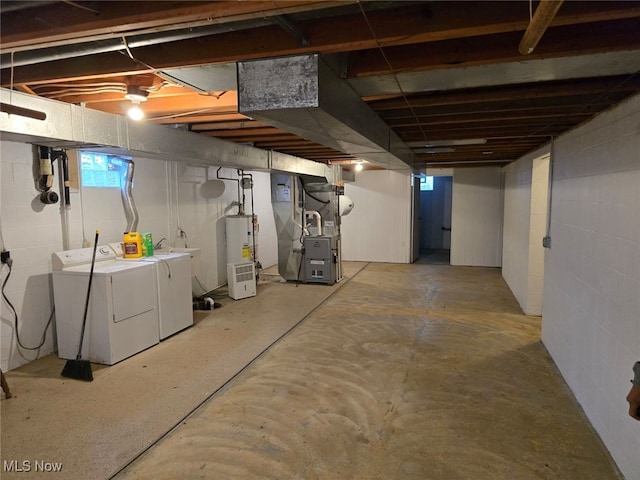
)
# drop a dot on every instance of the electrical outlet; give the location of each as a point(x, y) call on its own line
point(546, 242)
point(5, 256)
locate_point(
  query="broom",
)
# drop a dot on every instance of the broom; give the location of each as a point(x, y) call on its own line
point(79, 369)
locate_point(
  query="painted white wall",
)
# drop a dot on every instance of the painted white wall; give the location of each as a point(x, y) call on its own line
point(537, 231)
point(102, 208)
point(267, 236)
point(379, 227)
point(476, 223)
point(31, 232)
point(591, 312)
point(168, 195)
point(525, 219)
point(204, 201)
point(517, 206)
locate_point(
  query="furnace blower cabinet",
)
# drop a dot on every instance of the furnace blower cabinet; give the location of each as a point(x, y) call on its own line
point(307, 212)
point(320, 259)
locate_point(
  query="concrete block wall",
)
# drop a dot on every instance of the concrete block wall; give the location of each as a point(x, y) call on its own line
point(517, 206)
point(31, 232)
point(203, 201)
point(102, 208)
point(379, 227)
point(525, 222)
point(476, 217)
point(537, 231)
point(167, 195)
point(591, 308)
point(201, 217)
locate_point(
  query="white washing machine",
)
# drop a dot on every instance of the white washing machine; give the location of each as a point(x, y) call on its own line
point(122, 318)
point(172, 272)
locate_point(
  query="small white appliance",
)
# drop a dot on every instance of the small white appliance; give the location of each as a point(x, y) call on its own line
point(172, 281)
point(122, 317)
point(241, 280)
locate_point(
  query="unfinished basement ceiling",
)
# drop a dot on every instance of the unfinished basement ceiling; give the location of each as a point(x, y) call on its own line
point(447, 78)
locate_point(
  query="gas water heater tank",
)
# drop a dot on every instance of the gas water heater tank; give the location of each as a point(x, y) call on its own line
point(242, 238)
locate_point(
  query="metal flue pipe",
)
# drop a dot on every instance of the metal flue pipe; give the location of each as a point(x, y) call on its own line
point(130, 211)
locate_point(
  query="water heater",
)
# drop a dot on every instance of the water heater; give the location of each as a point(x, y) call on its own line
point(242, 241)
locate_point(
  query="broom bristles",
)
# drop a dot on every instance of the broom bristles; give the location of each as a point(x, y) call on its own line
point(78, 370)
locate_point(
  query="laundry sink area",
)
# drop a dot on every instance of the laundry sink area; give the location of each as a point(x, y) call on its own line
point(194, 253)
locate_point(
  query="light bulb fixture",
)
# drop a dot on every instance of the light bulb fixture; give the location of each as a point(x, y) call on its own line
point(135, 112)
point(136, 95)
point(435, 150)
point(452, 143)
point(359, 167)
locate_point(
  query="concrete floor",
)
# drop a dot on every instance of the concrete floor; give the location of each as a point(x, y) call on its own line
point(402, 372)
point(434, 256)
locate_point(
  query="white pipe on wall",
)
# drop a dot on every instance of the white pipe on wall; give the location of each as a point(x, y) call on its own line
point(318, 218)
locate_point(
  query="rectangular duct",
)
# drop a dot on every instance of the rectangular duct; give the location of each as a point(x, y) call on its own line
point(282, 162)
point(72, 126)
point(302, 95)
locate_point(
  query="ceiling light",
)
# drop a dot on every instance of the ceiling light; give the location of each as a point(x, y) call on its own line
point(461, 162)
point(359, 167)
point(136, 94)
point(464, 141)
point(435, 150)
point(135, 112)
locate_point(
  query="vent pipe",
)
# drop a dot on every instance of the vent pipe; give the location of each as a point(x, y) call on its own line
point(130, 211)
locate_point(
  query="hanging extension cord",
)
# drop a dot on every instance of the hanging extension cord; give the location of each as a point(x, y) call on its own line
point(6, 260)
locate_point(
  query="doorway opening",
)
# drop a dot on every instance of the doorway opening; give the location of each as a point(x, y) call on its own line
point(538, 229)
point(435, 219)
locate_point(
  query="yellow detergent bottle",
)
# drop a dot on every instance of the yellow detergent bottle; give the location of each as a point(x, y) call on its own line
point(132, 243)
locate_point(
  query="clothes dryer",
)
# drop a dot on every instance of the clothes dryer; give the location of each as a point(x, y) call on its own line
point(122, 318)
point(172, 281)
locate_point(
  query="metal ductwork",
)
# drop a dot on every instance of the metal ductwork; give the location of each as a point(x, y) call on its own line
point(22, 56)
point(302, 95)
point(130, 210)
point(500, 74)
point(72, 126)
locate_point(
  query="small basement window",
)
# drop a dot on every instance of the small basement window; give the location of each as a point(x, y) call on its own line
point(101, 170)
point(426, 183)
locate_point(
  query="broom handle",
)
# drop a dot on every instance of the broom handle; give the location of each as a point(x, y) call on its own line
point(86, 303)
